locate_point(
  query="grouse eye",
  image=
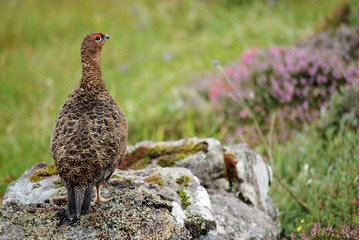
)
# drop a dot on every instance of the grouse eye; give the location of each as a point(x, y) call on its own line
point(98, 38)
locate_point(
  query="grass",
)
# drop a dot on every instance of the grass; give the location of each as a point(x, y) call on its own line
point(156, 48)
point(322, 173)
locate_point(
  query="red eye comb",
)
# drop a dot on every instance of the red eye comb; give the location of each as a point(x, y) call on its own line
point(95, 35)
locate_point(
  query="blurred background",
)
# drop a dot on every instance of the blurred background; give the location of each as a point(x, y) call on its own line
point(279, 75)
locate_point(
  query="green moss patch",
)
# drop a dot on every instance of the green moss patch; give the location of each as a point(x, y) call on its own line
point(184, 180)
point(49, 170)
point(199, 226)
point(164, 156)
point(170, 160)
point(155, 179)
point(184, 198)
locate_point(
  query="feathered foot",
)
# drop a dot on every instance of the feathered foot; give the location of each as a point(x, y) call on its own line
point(98, 195)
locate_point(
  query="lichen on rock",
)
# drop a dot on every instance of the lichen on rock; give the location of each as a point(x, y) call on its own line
point(160, 153)
point(144, 205)
point(184, 198)
point(49, 170)
point(184, 180)
point(209, 192)
point(155, 179)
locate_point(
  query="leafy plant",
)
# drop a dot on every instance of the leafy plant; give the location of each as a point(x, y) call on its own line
point(342, 114)
point(324, 173)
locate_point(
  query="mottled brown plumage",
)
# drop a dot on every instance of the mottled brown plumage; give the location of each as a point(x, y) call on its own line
point(90, 134)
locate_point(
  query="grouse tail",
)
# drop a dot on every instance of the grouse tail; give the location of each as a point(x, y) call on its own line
point(78, 201)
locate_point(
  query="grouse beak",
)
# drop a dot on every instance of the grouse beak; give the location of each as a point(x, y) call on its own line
point(107, 37)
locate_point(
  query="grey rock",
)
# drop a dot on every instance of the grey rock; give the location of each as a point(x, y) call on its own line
point(144, 204)
point(249, 185)
point(237, 220)
point(253, 174)
point(253, 178)
point(207, 166)
point(23, 191)
point(155, 202)
point(10, 231)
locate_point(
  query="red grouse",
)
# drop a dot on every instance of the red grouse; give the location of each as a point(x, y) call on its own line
point(90, 135)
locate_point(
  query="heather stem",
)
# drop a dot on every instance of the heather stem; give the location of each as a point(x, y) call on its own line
point(267, 144)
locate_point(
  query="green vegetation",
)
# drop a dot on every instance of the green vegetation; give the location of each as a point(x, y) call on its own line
point(184, 198)
point(155, 50)
point(58, 183)
point(323, 174)
point(184, 180)
point(166, 156)
point(153, 46)
point(199, 226)
point(49, 170)
point(169, 156)
point(155, 179)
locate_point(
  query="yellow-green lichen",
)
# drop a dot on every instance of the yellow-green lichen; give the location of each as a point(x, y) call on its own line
point(114, 175)
point(141, 164)
point(35, 178)
point(155, 179)
point(170, 160)
point(57, 183)
point(168, 156)
point(131, 179)
point(184, 180)
point(49, 170)
point(184, 198)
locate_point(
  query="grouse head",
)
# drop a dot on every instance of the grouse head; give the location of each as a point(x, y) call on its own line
point(91, 47)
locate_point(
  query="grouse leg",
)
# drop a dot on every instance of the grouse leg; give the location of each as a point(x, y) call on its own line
point(98, 195)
